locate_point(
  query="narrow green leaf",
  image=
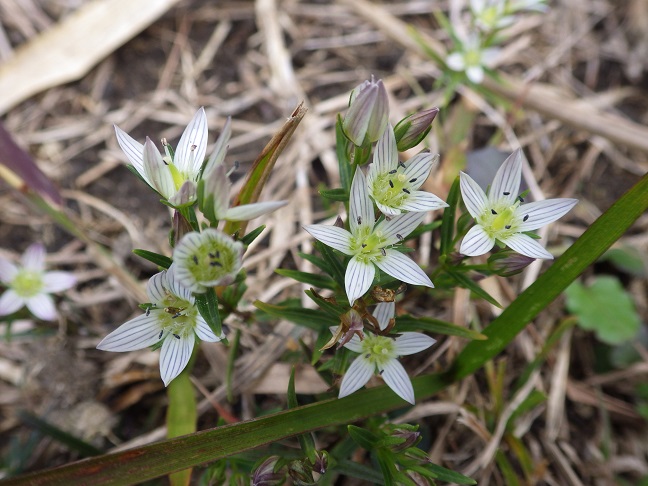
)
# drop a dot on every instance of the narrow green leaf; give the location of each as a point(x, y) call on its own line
point(360, 471)
point(334, 310)
point(435, 326)
point(335, 267)
point(207, 304)
point(181, 417)
point(310, 318)
point(342, 151)
point(306, 441)
point(448, 475)
point(315, 260)
point(160, 260)
point(252, 235)
point(363, 437)
point(465, 282)
point(338, 194)
point(320, 281)
point(448, 219)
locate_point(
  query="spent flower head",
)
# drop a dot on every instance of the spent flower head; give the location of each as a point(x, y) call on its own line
point(368, 113)
point(501, 216)
point(172, 318)
point(206, 259)
point(370, 244)
point(30, 285)
point(394, 185)
point(173, 176)
point(471, 58)
point(380, 353)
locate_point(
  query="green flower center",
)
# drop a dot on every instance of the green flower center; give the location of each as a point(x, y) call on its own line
point(366, 244)
point(176, 316)
point(378, 349)
point(213, 260)
point(27, 283)
point(473, 57)
point(392, 188)
point(500, 221)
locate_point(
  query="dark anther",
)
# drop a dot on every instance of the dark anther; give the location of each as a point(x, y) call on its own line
point(412, 180)
point(381, 372)
point(393, 171)
point(176, 336)
point(148, 311)
point(195, 259)
point(216, 264)
point(368, 355)
point(364, 245)
point(521, 199)
point(384, 253)
point(506, 193)
point(359, 220)
point(160, 335)
point(391, 184)
point(508, 226)
point(493, 211)
point(399, 236)
point(217, 254)
point(400, 164)
point(176, 315)
point(212, 255)
point(406, 191)
point(526, 216)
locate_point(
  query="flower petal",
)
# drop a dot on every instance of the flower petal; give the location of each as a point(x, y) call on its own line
point(388, 210)
point(541, 213)
point(247, 212)
point(396, 377)
point(220, 147)
point(361, 211)
point(332, 236)
point(398, 227)
point(58, 281)
point(217, 188)
point(172, 284)
point(403, 268)
point(204, 332)
point(476, 242)
point(456, 61)
point(157, 171)
point(42, 306)
point(383, 312)
point(133, 150)
point(386, 154)
point(506, 183)
point(156, 288)
point(421, 201)
point(34, 257)
point(354, 344)
point(8, 270)
point(473, 196)
point(412, 342)
point(358, 279)
point(191, 149)
point(176, 352)
point(356, 376)
point(356, 121)
point(138, 333)
point(527, 246)
point(10, 302)
point(419, 168)
point(475, 74)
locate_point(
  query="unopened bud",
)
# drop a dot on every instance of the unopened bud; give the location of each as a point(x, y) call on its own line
point(410, 131)
point(409, 434)
point(506, 264)
point(266, 474)
point(321, 462)
point(300, 474)
point(368, 113)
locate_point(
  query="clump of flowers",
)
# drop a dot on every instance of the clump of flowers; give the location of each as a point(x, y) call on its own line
point(30, 285)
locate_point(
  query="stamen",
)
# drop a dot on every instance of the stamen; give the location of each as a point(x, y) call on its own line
point(148, 312)
point(381, 372)
point(176, 315)
point(160, 335)
point(508, 226)
point(399, 237)
point(176, 336)
point(406, 191)
point(506, 193)
point(364, 245)
point(400, 164)
point(215, 264)
point(413, 180)
point(368, 355)
point(195, 259)
point(521, 199)
point(391, 184)
point(212, 255)
point(526, 216)
point(393, 171)
point(493, 211)
point(359, 220)
point(384, 253)
point(193, 147)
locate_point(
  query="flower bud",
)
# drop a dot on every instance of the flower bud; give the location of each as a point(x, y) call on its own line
point(368, 113)
point(265, 474)
point(411, 130)
point(321, 462)
point(301, 474)
point(409, 434)
point(506, 264)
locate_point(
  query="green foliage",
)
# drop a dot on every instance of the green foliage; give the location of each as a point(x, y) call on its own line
point(207, 304)
point(160, 260)
point(605, 308)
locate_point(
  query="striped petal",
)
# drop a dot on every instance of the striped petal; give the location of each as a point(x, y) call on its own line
point(247, 212)
point(10, 302)
point(527, 246)
point(34, 257)
point(419, 168)
point(58, 281)
point(42, 306)
point(191, 149)
point(332, 236)
point(220, 147)
point(138, 333)
point(399, 227)
point(421, 201)
point(133, 149)
point(356, 121)
point(358, 279)
point(176, 352)
point(356, 376)
point(156, 288)
point(361, 211)
point(204, 332)
point(396, 377)
point(540, 213)
point(476, 242)
point(386, 154)
point(156, 170)
point(473, 196)
point(383, 313)
point(506, 183)
point(412, 342)
point(403, 268)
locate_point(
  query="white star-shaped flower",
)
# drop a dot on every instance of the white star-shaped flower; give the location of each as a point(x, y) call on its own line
point(30, 285)
point(380, 353)
point(176, 179)
point(370, 244)
point(501, 216)
point(471, 58)
point(394, 185)
point(172, 318)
